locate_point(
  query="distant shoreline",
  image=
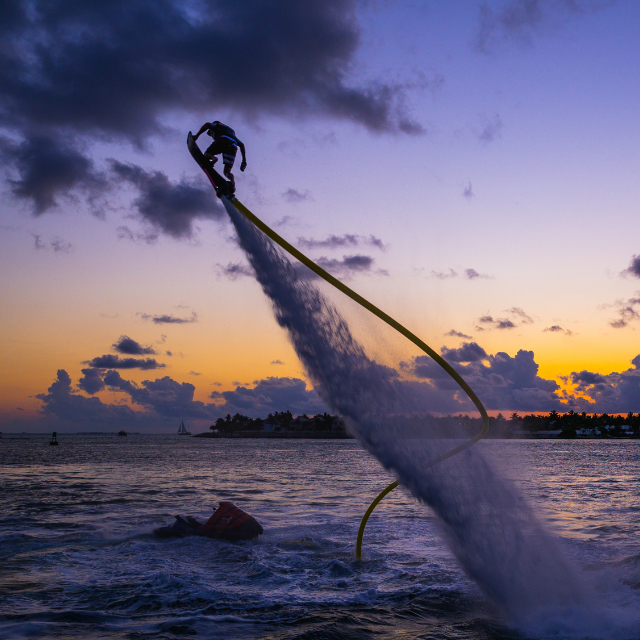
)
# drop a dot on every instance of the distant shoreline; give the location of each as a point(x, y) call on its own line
point(337, 436)
point(282, 435)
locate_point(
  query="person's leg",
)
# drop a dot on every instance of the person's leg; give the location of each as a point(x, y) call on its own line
point(229, 157)
point(229, 175)
point(216, 147)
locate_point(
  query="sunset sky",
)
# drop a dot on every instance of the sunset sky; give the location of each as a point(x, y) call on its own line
point(470, 167)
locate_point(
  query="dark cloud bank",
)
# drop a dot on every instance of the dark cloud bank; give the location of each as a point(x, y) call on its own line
point(76, 72)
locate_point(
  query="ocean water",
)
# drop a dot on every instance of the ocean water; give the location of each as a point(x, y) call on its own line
point(78, 558)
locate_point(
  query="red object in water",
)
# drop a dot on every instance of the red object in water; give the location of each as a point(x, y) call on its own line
point(229, 520)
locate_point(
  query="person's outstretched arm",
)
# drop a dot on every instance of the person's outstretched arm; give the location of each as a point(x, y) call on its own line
point(243, 166)
point(203, 128)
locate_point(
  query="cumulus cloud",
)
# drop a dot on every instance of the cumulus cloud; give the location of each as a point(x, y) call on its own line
point(115, 362)
point(91, 381)
point(234, 270)
point(128, 346)
point(171, 208)
point(294, 196)
point(506, 383)
point(634, 268)
point(337, 242)
point(60, 401)
point(269, 395)
point(518, 21)
point(611, 393)
point(468, 352)
point(164, 396)
point(169, 319)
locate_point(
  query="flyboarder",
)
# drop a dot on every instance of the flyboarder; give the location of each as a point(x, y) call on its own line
point(225, 142)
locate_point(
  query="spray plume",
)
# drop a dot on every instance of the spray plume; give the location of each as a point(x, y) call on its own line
point(489, 526)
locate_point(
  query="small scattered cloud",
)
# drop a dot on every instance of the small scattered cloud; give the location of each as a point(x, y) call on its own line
point(194, 373)
point(457, 334)
point(234, 270)
point(497, 323)
point(519, 313)
point(294, 196)
point(469, 274)
point(277, 362)
point(338, 242)
point(128, 346)
point(57, 245)
point(491, 129)
point(169, 319)
point(349, 265)
point(558, 329)
point(472, 274)
point(634, 268)
point(443, 275)
point(467, 192)
point(519, 21)
point(628, 311)
point(114, 362)
point(147, 237)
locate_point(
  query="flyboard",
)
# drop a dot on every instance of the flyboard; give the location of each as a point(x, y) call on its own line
point(224, 190)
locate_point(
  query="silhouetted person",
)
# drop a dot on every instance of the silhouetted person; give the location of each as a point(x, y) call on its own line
point(225, 142)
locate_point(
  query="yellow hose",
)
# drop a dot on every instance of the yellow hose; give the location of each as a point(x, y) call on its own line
point(392, 323)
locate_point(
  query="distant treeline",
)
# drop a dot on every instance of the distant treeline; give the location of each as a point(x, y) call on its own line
point(565, 425)
point(553, 424)
point(280, 421)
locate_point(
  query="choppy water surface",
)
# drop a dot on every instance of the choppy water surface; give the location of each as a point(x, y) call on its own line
point(78, 558)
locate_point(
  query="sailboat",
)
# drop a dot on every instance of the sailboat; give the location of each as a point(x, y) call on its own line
point(182, 430)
